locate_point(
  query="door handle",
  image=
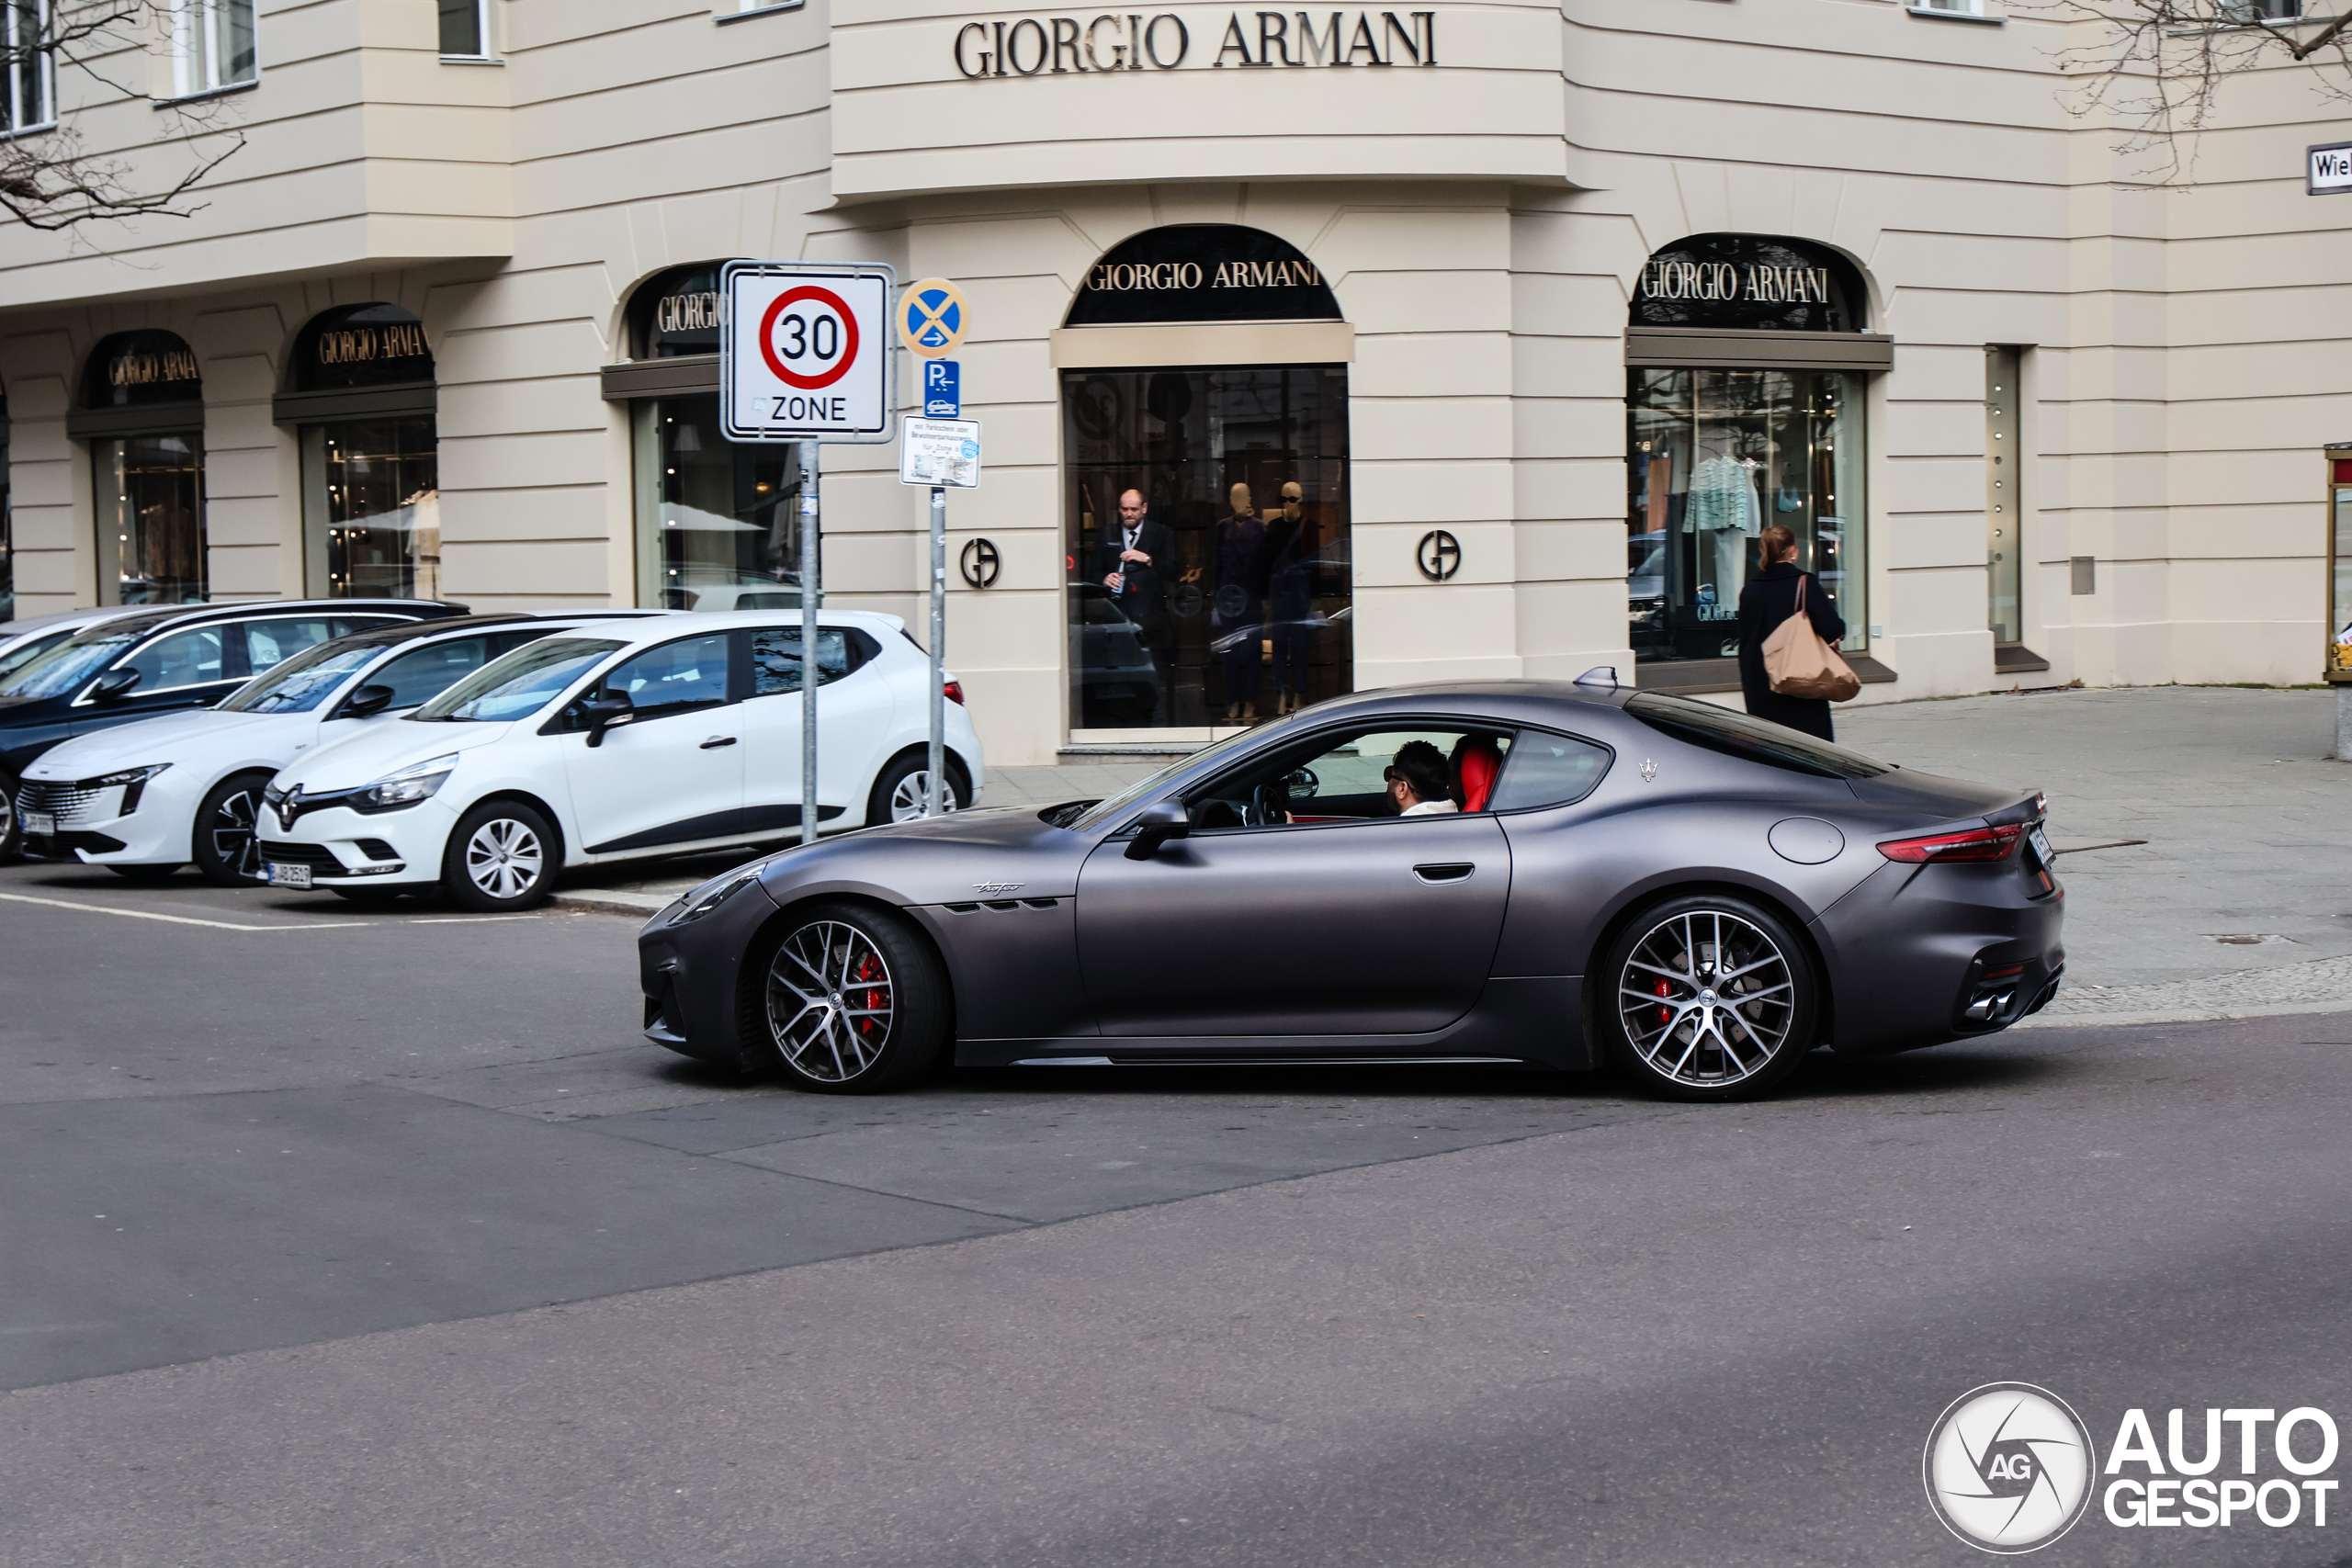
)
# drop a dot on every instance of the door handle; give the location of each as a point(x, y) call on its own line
point(1447, 871)
point(715, 742)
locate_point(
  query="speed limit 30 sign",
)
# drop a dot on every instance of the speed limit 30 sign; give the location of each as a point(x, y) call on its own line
point(805, 352)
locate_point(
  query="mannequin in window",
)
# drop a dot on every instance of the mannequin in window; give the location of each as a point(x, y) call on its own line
point(1289, 553)
point(1237, 590)
point(1724, 513)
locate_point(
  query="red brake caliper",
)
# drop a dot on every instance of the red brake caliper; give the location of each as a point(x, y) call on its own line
point(1664, 1015)
point(872, 1001)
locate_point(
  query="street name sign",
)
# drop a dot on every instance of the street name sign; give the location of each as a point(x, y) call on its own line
point(805, 351)
point(2328, 170)
point(942, 453)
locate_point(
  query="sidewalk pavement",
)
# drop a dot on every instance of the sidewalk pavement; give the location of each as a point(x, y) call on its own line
point(2239, 902)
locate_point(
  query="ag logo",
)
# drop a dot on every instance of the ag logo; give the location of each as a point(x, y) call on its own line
point(2008, 1468)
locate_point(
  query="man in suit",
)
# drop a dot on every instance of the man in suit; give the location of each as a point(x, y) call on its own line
point(1136, 562)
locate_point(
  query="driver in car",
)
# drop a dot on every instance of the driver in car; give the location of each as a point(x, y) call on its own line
point(1418, 780)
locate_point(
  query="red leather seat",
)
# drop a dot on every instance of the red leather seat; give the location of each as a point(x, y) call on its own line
point(1477, 762)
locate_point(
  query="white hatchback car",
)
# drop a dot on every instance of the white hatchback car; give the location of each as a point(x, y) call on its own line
point(200, 774)
point(616, 743)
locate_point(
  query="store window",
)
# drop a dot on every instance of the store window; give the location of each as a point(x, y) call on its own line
point(1737, 418)
point(717, 529)
point(7, 528)
point(143, 411)
point(1207, 510)
point(2339, 562)
point(364, 400)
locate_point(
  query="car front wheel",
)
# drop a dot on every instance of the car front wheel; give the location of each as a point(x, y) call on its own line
point(503, 857)
point(228, 840)
point(853, 1001)
point(1714, 999)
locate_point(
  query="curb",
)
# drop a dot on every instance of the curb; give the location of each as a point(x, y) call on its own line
point(642, 905)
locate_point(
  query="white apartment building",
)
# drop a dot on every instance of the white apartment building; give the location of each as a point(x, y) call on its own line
point(1518, 320)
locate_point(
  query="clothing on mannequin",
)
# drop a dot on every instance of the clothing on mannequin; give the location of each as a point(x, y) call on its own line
point(1237, 591)
point(1725, 511)
point(1290, 587)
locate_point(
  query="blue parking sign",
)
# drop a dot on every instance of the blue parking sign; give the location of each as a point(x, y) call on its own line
point(943, 388)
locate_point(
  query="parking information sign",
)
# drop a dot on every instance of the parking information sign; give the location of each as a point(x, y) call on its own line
point(805, 351)
point(939, 452)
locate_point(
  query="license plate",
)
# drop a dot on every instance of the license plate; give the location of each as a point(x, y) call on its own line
point(2040, 843)
point(284, 876)
point(42, 824)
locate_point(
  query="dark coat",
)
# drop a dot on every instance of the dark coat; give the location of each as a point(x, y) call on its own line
point(1143, 598)
point(1770, 598)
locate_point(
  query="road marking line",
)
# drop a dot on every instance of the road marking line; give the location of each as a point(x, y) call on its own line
point(178, 920)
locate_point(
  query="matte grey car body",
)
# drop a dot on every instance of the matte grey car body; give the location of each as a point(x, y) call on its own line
point(1469, 936)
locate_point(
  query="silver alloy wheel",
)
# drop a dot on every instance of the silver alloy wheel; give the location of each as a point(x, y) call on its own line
point(237, 840)
point(906, 800)
point(831, 1002)
point(503, 858)
point(1707, 999)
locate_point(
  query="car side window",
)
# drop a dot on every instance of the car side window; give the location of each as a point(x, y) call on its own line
point(775, 656)
point(1549, 770)
point(192, 658)
point(677, 677)
point(422, 674)
point(1346, 779)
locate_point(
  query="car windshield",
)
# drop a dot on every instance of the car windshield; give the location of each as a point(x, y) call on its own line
point(519, 684)
point(65, 667)
point(1102, 811)
point(303, 681)
point(32, 648)
point(1759, 740)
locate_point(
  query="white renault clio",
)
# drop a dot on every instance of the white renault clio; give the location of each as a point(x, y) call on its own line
point(616, 743)
point(195, 778)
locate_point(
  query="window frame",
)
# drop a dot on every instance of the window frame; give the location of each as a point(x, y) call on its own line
point(12, 121)
point(731, 687)
point(1317, 742)
point(196, 73)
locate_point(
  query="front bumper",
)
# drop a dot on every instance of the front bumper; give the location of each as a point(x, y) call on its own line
point(93, 828)
point(347, 848)
point(692, 977)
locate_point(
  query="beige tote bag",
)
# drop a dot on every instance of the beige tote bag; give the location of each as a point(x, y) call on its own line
point(1800, 664)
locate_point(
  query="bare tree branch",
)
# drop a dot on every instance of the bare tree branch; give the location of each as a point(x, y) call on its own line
point(53, 52)
point(2157, 67)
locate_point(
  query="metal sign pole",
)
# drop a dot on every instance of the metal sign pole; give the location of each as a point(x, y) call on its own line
point(935, 788)
point(813, 579)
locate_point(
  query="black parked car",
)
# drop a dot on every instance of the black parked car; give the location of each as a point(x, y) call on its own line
point(161, 660)
point(1704, 895)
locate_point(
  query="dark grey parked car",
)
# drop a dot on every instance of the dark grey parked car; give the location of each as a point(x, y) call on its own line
point(1702, 895)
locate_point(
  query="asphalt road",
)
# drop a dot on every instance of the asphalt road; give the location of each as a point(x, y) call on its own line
point(335, 1238)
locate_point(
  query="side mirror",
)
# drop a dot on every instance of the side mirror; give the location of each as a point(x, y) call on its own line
point(366, 702)
point(601, 710)
point(1167, 819)
point(114, 685)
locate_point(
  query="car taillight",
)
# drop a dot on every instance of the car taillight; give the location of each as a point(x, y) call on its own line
point(954, 690)
point(1975, 844)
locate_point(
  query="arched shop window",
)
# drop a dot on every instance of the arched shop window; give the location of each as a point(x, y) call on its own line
point(715, 529)
point(7, 527)
point(141, 410)
point(363, 396)
point(1745, 400)
point(1244, 611)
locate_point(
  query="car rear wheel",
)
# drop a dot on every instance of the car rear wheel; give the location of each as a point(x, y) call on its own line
point(1714, 999)
point(227, 836)
point(899, 790)
point(853, 1001)
point(503, 857)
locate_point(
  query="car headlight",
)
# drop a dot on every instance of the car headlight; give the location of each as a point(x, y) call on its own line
point(712, 895)
point(416, 781)
point(133, 781)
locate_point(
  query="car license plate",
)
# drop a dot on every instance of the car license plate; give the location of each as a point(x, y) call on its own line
point(2040, 843)
point(284, 876)
point(42, 824)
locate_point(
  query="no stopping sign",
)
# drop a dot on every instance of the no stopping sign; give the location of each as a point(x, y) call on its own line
point(805, 351)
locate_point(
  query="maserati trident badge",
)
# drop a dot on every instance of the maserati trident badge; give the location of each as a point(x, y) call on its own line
point(1649, 769)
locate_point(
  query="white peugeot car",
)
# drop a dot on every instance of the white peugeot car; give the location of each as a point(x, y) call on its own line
point(616, 743)
point(195, 778)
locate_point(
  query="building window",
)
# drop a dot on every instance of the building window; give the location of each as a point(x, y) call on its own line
point(716, 531)
point(1958, 8)
point(32, 69)
point(148, 463)
point(465, 29)
point(2246, 12)
point(7, 530)
point(212, 45)
point(371, 497)
point(2004, 496)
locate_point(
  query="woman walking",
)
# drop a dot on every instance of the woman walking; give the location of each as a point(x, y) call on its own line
point(1770, 598)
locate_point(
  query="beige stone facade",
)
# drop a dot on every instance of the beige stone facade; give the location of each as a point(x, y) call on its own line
point(1483, 216)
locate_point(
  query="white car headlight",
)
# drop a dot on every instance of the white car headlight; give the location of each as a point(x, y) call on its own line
point(132, 780)
point(416, 781)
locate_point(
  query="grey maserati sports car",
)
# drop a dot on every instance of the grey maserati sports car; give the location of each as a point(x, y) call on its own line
point(1525, 872)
